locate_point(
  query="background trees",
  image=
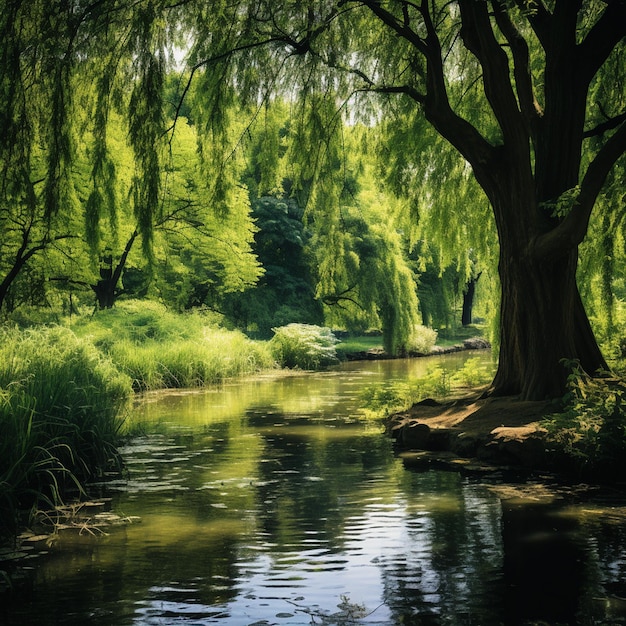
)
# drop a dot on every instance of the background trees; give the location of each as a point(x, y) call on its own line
point(498, 126)
point(510, 87)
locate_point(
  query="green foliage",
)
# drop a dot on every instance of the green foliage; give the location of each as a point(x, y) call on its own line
point(210, 358)
point(304, 346)
point(286, 292)
point(422, 340)
point(589, 434)
point(475, 372)
point(61, 408)
point(363, 275)
point(383, 399)
point(160, 349)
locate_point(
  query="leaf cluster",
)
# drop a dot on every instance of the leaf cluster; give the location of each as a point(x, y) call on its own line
point(589, 433)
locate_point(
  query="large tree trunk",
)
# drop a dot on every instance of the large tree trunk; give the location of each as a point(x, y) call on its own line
point(532, 170)
point(543, 327)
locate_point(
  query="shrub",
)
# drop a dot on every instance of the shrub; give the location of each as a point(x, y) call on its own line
point(589, 434)
point(61, 408)
point(304, 346)
point(422, 340)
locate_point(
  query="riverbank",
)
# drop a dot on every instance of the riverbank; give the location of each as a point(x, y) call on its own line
point(375, 354)
point(472, 432)
point(485, 435)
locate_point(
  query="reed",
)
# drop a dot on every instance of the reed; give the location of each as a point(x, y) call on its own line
point(159, 349)
point(211, 358)
point(61, 408)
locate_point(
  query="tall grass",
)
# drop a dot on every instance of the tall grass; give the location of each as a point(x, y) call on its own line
point(159, 349)
point(61, 408)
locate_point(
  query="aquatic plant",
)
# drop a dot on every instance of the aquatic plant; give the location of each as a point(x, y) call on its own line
point(61, 408)
point(383, 399)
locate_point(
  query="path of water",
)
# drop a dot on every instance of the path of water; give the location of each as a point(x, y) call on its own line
point(272, 501)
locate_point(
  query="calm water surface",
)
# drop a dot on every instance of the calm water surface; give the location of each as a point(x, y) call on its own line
point(273, 501)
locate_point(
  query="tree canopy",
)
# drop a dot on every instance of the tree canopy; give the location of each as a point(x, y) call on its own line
point(500, 126)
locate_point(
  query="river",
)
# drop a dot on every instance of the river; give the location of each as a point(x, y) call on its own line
point(274, 501)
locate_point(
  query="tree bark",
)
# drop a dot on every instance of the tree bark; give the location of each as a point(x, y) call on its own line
point(106, 289)
point(543, 327)
point(468, 301)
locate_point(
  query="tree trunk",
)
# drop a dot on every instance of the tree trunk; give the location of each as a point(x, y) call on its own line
point(468, 301)
point(106, 292)
point(106, 289)
point(543, 326)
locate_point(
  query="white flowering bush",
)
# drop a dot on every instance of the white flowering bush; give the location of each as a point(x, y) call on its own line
point(304, 346)
point(422, 340)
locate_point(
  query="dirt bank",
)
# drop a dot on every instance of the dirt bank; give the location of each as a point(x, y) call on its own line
point(495, 431)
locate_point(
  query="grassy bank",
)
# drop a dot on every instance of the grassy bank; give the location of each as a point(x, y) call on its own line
point(424, 340)
point(64, 392)
point(61, 408)
point(159, 349)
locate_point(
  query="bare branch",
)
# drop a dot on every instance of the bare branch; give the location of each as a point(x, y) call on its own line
point(609, 124)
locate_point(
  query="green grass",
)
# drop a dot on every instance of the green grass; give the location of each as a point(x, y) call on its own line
point(451, 336)
point(351, 345)
point(62, 404)
point(445, 337)
point(159, 349)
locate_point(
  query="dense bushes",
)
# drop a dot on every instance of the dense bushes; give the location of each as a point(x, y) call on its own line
point(422, 340)
point(588, 436)
point(61, 408)
point(305, 346)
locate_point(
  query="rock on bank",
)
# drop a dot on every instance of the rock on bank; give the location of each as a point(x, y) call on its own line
point(499, 431)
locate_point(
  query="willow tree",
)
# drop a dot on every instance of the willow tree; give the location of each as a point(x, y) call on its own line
point(507, 83)
point(88, 152)
point(36, 146)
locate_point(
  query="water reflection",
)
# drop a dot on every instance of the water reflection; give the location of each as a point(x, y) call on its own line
point(274, 503)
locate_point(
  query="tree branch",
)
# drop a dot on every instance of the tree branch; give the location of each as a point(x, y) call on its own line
point(538, 17)
point(605, 126)
point(602, 38)
point(521, 67)
point(390, 20)
point(479, 38)
point(572, 230)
